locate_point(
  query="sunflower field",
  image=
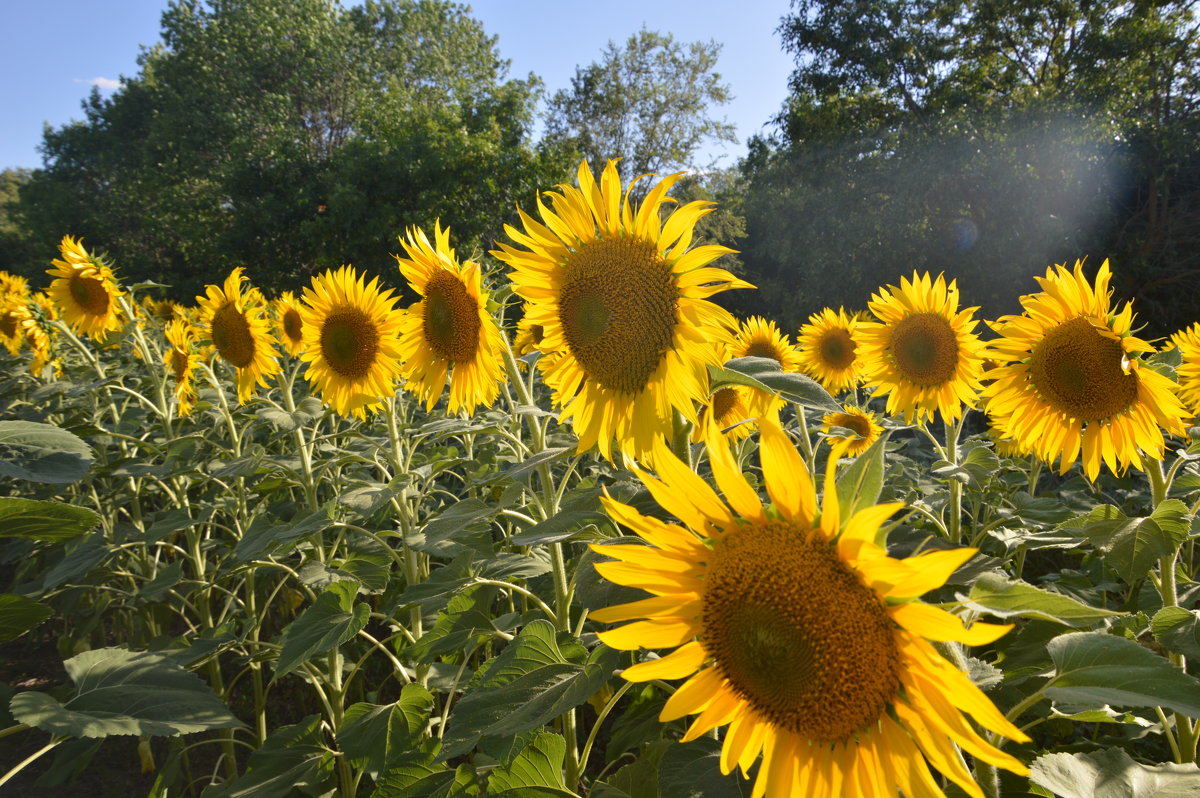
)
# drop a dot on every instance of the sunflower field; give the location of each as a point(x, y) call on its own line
point(566, 527)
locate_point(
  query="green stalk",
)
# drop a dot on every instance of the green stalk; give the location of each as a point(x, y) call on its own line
point(954, 522)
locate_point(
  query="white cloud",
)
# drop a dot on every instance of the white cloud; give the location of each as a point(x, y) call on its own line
point(104, 84)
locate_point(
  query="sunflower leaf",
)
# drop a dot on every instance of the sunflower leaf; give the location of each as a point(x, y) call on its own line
point(765, 374)
point(1178, 630)
point(693, 770)
point(45, 521)
point(536, 772)
point(1112, 773)
point(1098, 669)
point(42, 453)
point(291, 756)
point(19, 614)
point(330, 621)
point(1005, 598)
point(859, 486)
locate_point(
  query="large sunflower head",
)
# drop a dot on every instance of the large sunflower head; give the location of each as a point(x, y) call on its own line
point(922, 353)
point(1068, 380)
point(180, 360)
point(236, 322)
point(449, 333)
point(288, 323)
point(1188, 373)
point(828, 349)
point(794, 627)
point(351, 341)
point(621, 295)
point(863, 424)
point(85, 290)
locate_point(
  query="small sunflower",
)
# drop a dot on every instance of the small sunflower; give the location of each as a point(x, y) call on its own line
point(351, 341)
point(1069, 381)
point(865, 426)
point(623, 299)
point(828, 348)
point(449, 327)
point(290, 326)
point(731, 405)
point(1188, 372)
point(794, 627)
point(13, 311)
point(180, 361)
point(238, 328)
point(528, 338)
point(13, 284)
point(922, 353)
point(86, 291)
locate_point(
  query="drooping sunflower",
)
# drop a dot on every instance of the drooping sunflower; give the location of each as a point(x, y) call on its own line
point(1188, 373)
point(732, 405)
point(13, 311)
point(528, 338)
point(828, 349)
point(795, 628)
point(864, 424)
point(290, 326)
point(351, 340)
point(450, 327)
point(1068, 381)
point(85, 290)
point(923, 353)
point(623, 299)
point(180, 361)
point(236, 322)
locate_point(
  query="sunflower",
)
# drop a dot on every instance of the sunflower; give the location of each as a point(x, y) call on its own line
point(794, 627)
point(865, 426)
point(828, 349)
point(1069, 382)
point(528, 338)
point(732, 405)
point(922, 354)
point(13, 311)
point(290, 327)
point(351, 341)
point(13, 284)
point(449, 327)
point(619, 294)
point(180, 360)
point(238, 328)
point(1188, 372)
point(86, 291)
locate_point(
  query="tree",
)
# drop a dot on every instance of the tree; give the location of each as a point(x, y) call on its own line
point(987, 140)
point(15, 249)
point(293, 135)
point(646, 103)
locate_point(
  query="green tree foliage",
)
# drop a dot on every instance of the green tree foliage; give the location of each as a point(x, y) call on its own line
point(646, 103)
point(15, 247)
point(293, 135)
point(987, 140)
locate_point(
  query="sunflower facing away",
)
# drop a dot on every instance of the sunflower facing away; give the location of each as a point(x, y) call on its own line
point(351, 341)
point(1188, 372)
point(528, 338)
point(828, 348)
point(621, 297)
point(923, 353)
point(733, 404)
point(85, 290)
point(290, 327)
point(180, 361)
point(1068, 381)
point(449, 328)
point(795, 628)
point(865, 426)
point(238, 328)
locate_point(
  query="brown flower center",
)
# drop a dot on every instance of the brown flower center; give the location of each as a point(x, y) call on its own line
point(618, 310)
point(722, 402)
point(797, 634)
point(837, 348)
point(1077, 369)
point(451, 318)
point(293, 327)
point(90, 294)
point(860, 424)
point(349, 342)
point(231, 336)
point(924, 349)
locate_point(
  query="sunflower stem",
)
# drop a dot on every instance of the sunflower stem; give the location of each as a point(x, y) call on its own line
point(286, 384)
point(681, 438)
point(954, 521)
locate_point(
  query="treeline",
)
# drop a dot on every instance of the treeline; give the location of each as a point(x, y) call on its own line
point(984, 139)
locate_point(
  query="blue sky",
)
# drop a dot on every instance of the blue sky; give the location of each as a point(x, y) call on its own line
point(57, 49)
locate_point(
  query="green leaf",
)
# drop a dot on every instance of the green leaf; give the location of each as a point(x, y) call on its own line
point(536, 772)
point(859, 486)
point(418, 777)
point(377, 736)
point(263, 536)
point(537, 677)
point(1132, 546)
point(332, 619)
point(765, 374)
point(1111, 773)
point(78, 562)
point(1178, 630)
point(42, 453)
point(693, 770)
point(997, 595)
point(558, 528)
point(126, 692)
point(638, 779)
point(45, 521)
point(1095, 669)
point(292, 756)
point(467, 618)
point(19, 614)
